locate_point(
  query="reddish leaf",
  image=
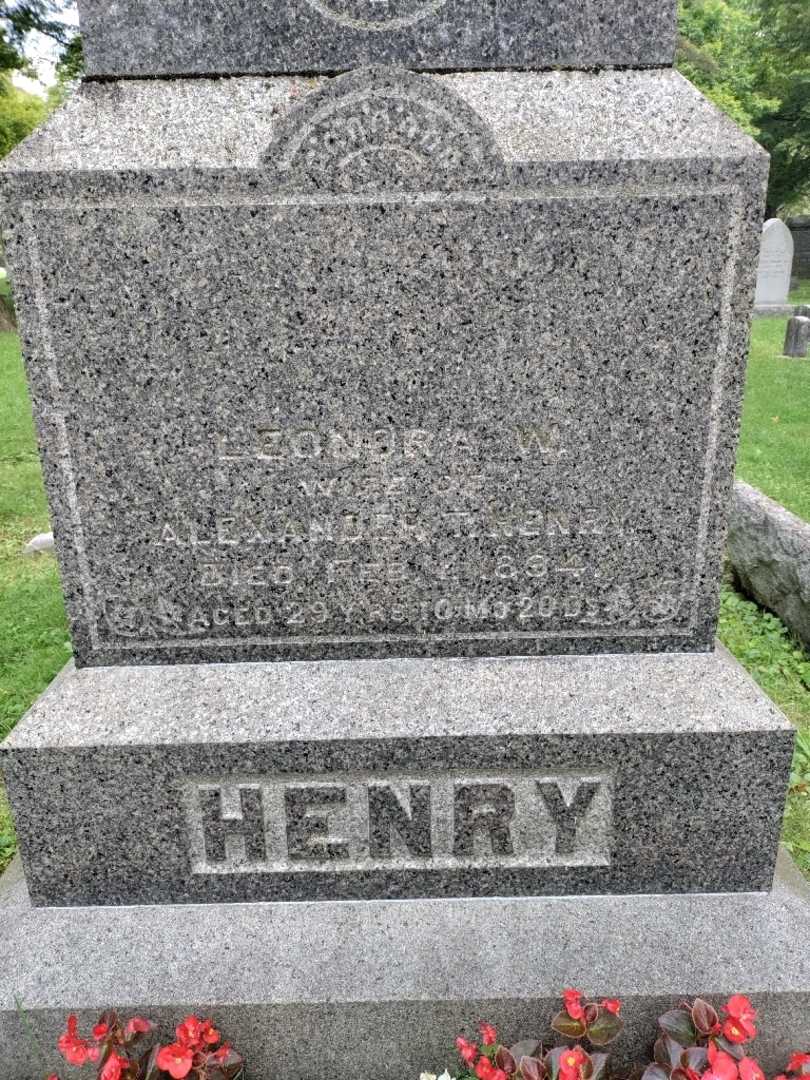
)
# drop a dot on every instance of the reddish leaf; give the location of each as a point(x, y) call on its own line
point(737, 1050)
point(526, 1048)
point(552, 1060)
point(695, 1058)
point(704, 1017)
point(504, 1060)
point(605, 1027)
point(673, 1050)
point(531, 1068)
point(655, 1072)
point(149, 1069)
point(590, 1013)
point(586, 1068)
point(567, 1026)
point(678, 1024)
point(661, 1052)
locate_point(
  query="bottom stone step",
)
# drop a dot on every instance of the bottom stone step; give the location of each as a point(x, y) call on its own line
point(377, 990)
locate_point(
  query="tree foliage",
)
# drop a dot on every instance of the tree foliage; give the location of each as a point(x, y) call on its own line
point(752, 59)
point(20, 113)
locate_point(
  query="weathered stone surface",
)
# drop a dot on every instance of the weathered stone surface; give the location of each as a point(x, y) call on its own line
point(184, 37)
point(431, 411)
point(775, 264)
point(399, 778)
point(387, 986)
point(797, 336)
point(770, 550)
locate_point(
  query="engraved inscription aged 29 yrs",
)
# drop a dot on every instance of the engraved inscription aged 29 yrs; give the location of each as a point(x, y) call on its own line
point(416, 821)
point(414, 419)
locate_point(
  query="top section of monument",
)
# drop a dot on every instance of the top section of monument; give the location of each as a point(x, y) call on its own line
point(235, 37)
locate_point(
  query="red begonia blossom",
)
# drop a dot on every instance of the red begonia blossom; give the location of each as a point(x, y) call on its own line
point(467, 1050)
point(571, 1062)
point(189, 1032)
point(208, 1033)
point(572, 1000)
point(612, 1005)
point(797, 1061)
point(113, 1067)
point(137, 1026)
point(74, 1049)
point(741, 1016)
point(750, 1069)
point(176, 1060)
point(722, 1066)
point(489, 1035)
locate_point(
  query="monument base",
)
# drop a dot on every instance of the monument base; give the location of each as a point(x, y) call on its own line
point(393, 779)
point(346, 990)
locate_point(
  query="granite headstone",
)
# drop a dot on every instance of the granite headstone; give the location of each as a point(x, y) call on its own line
point(203, 37)
point(797, 336)
point(429, 413)
point(775, 264)
point(469, 386)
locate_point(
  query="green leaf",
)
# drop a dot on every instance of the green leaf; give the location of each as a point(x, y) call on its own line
point(605, 1027)
point(678, 1024)
point(568, 1026)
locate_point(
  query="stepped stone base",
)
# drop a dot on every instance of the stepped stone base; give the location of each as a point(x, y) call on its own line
point(342, 991)
point(389, 779)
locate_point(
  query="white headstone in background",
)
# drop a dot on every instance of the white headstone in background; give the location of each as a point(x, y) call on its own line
point(775, 263)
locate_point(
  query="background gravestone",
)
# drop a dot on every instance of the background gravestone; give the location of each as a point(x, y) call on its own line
point(471, 390)
point(775, 264)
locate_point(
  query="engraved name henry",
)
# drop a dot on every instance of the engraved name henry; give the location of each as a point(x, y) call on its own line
point(402, 821)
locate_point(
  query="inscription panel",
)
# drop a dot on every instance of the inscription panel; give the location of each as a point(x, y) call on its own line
point(376, 424)
point(430, 821)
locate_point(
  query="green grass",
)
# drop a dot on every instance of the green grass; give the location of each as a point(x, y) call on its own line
point(34, 641)
point(774, 452)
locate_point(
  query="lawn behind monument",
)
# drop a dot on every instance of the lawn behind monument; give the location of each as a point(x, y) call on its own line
point(774, 455)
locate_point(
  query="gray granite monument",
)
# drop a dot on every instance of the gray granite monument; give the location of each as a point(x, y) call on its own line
point(388, 421)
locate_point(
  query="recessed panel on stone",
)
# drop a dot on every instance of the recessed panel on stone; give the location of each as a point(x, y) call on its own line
point(181, 37)
point(386, 393)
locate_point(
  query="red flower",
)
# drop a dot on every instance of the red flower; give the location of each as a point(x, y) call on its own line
point(113, 1067)
point(189, 1032)
point(75, 1050)
point(100, 1031)
point(221, 1055)
point(485, 1070)
point(723, 1065)
point(467, 1050)
point(612, 1005)
point(209, 1034)
point(797, 1061)
point(749, 1069)
point(741, 1016)
point(137, 1026)
point(572, 999)
point(53, 1076)
point(176, 1060)
point(571, 1061)
point(734, 1031)
point(488, 1034)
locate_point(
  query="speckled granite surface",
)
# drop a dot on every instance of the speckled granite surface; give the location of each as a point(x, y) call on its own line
point(387, 985)
point(386, 364)
point(399, 778)
point(182, 37)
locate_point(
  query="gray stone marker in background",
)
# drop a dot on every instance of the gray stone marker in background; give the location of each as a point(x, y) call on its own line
point(797, 336)
point(470, 385)
point(775, 265)
point(184, 37)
